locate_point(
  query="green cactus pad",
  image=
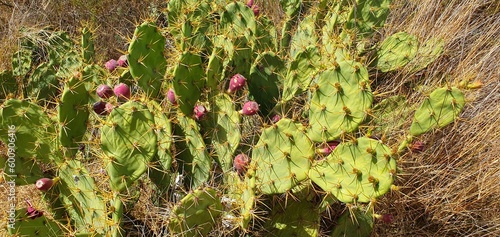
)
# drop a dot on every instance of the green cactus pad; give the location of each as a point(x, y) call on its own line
point(295, 218)
point(21, 60)
point(70, 63)
point(60, 44)
point(94, 75)
point(427, 53)
point(8, 84)
point(188, 81)
point(89, 209)
point(340, 101)
point(243, 196)
point(189, 22)
point(34, 133)
point(390, 114)
point(20, 170)
point(146, 61)
point(368, 15)
point(88, 52)
point(282, 157)
point(43, 83)
point(291, 8)
point(356, 171)
point(215, 68)
point(437, 111)
point(196, 214)
point(304, 36)
point(73, 113)
point(163, 130)
point(396, 51)
point(128, 139)
point(265, 80)
point(354, 223)
point(238, 20)
point(266, 36)
point(301, 72)
point(225, 132)
point(41, 226)
point(193, 157)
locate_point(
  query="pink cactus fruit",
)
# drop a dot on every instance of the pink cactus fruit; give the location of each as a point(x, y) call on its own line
point(256, 10)
point(104, 91)
point(44, 184)
point(236, 83)
point(386, 218)
point(109, 108)
point(111, 65)
point(250, 108)
point(276, 118)
point(249, 3)
point(31, 212)
point(122, 91)
point(123, 61)
point(240, 163)
point(200, 111)
point(100, 108)
point(417, 147)
point(171, 96)
point(328, 147)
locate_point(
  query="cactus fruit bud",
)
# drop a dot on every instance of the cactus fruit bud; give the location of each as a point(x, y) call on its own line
point(386, 218)
point(31, 212)
point(44, 184)
point(249, 3)
point(100, 108)
point(111, 65)
point(417, 147)
point(255, 10)
point(328, 148)
point(109, 107)
point(199, 111)
point(250, 108)
point(240, 163)
point(123, 61)
point(171, 96)
point(276, 118)
point(122, 91)
point(236, 83)
point(104, 91)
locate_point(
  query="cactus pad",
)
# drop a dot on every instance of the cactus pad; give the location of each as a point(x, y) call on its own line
point(295, 218)
point(196, 214)
point(356, 171)
point(437, 111)
point(129, 141)
point(146, 61)
point(188, 81)
point(340, 101)
point(301, 72)
point(40, 226)
point(282, 157)
point(354, 223)
point(396, 51)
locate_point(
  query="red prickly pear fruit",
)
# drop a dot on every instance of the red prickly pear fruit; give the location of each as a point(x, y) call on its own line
point(417, 147)
point(249, 3)
point(44, 184)
point(109, 108)
point(237, 82)
point(171, 96)
point(386, 218)
point(100, 108)
point(256, 10)
point(328, 148)
point(199, 112)
point(104, 91)
point(122, 91)
point(122, 61)
point(250, 108)
point(111, 65)
point(240, 163)
point(31, 212)
point(276, 118)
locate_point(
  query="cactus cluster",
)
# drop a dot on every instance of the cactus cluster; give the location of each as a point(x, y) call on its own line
point(239, 117)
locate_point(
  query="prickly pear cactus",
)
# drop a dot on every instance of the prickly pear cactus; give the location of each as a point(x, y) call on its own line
point(196, 214)
point(188, 81)
point(40, 226)
point(437, 111)
point(355, 222)
point(396, 51)
point(356, 171)
point(293, 219)
point(282, 157)
point(129, 143)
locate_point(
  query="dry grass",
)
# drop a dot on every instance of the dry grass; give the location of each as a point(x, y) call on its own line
point(451, 189)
